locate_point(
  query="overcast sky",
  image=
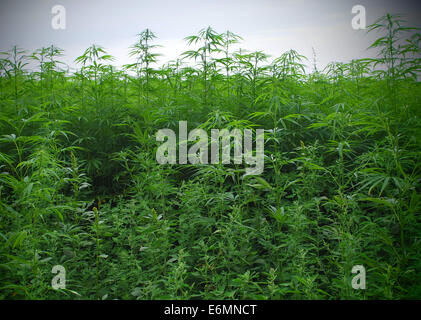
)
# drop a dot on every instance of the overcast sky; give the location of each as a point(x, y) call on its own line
point(272, 26)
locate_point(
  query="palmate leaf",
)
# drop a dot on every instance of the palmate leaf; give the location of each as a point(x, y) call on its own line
point(260, 184)
point(8, 209)
point(388, 202)
point(8, 138)
point(375, 178)
point(16, 239)
point(277, 213)
point(258, 114)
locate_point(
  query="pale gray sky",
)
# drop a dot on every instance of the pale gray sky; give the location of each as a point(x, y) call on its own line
point(272, 26)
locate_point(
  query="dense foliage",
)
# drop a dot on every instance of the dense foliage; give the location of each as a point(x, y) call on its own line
point(80, 185)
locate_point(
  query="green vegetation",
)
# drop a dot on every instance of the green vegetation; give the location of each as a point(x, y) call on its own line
point(80, 186)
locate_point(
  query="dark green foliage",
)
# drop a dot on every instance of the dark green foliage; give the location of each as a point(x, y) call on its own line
point(80, 185)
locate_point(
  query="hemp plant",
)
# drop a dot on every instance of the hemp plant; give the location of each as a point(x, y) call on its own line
point(142, 51)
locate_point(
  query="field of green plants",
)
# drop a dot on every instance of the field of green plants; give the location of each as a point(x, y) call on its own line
point(80, 185)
